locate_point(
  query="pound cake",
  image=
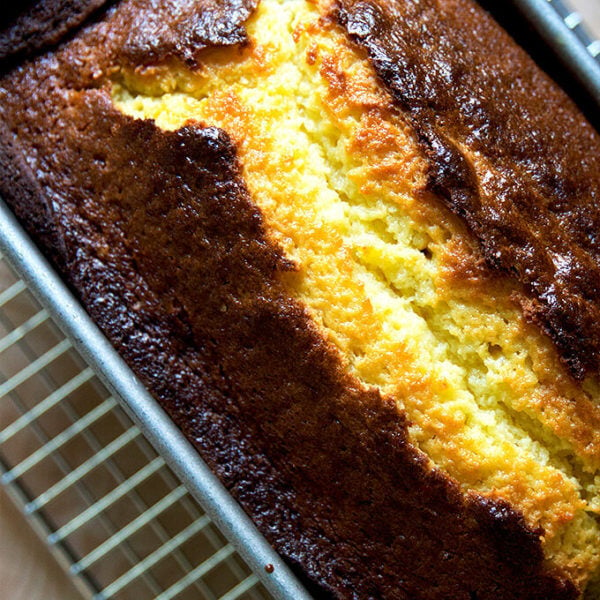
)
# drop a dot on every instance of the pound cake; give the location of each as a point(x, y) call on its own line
point(353, 249)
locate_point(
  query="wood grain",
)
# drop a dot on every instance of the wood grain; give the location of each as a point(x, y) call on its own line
point(590, 10)
point(27, 570)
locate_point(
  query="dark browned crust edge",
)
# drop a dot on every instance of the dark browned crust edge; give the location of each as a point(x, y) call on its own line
point(35, 25)
point(533, 202)
point(190, 27)
point(156, 233)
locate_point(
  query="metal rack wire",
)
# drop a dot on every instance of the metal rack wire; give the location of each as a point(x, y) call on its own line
point(107, 505)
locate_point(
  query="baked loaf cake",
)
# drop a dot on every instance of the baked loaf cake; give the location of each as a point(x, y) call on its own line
point(353, 248)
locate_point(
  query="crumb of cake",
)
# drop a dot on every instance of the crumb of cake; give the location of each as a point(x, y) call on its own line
point(387, 273)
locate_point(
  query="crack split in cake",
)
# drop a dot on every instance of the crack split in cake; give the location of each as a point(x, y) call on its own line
point(423, 345)
point(390, 277)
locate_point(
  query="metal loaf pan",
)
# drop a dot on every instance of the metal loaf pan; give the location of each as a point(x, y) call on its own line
point(564, 31)
point(577, 70)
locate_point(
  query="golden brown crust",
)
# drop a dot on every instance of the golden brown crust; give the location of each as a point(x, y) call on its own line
point(508, 153)
point(159, 237)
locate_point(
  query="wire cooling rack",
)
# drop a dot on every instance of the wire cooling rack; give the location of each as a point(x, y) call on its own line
point(107, 505)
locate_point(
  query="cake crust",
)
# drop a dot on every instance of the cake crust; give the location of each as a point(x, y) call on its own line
point(183, 282)
point(508, 153)
point(36, 24)
point(181, 29)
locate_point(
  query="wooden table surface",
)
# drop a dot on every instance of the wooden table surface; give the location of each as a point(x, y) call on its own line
point(27, 571)
point(591, 10)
